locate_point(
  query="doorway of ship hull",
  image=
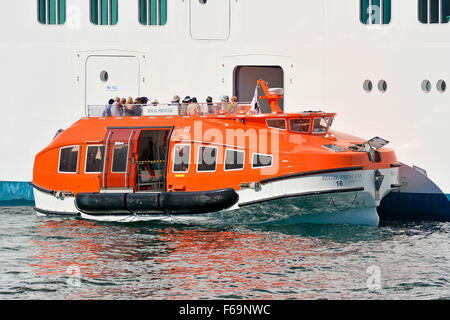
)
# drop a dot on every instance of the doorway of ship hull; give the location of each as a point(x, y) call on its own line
point(153, 148)
point(245, 78)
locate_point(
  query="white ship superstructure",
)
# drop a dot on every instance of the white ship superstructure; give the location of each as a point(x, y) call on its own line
point(381, 65)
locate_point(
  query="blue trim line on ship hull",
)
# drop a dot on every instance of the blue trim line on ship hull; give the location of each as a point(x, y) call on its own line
point(16, 193)
point(402, 206)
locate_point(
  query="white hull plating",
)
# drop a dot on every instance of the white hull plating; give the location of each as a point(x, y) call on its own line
point(334, 198)
point(47, 203)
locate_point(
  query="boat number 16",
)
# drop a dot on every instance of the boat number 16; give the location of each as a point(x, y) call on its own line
point(340, 183)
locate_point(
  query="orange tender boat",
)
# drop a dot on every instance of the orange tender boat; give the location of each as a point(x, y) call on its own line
point(276, 167)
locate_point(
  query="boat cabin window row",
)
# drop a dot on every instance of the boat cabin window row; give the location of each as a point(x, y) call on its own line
point(319, 125)
point(207, 159)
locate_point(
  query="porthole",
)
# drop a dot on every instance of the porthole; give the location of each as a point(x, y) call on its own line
point(426, 86)
point(203, 1)
point(382, 86)
point(104, 76)
point(441, 86)
point(367, 86)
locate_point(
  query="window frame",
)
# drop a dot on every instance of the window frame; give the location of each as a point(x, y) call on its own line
point(277, 119)
point(174, 155)
point(225, 159)
point(78, 159)
point(112, 156)
point(262, 154)
point(309, 128)
point(328, 125)
point(103, 160)
point(198, 157)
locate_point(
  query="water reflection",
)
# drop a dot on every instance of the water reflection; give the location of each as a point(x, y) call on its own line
point(143, 261)
point(158, 261)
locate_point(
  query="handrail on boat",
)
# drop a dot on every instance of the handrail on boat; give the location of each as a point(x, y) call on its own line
point(166, 109)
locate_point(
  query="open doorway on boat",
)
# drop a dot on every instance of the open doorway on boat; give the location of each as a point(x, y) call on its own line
point(152, 160)
point(245, 78)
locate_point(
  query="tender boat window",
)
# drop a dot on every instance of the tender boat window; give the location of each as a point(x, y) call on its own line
point(182, 156)
point(234, 160)
point(261, 160)
point(320, 125)
point(120, 158)
point(300, 125)
point(207, 159)
point(276, 123)
point(68, 159)
point(94, 159)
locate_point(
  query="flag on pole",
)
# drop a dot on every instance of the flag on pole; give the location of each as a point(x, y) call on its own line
point(255, 103)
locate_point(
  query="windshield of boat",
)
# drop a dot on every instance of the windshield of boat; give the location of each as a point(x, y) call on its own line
point(320, 125)
point(300, 125)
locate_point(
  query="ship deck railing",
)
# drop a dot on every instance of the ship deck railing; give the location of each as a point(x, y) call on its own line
point(165, 109)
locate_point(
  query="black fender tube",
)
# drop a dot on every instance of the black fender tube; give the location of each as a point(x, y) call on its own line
point(197, 202)
point(156, 203)
point(146, 203)
point(101, 203)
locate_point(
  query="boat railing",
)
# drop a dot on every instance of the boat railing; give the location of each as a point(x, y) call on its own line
point(167, 109)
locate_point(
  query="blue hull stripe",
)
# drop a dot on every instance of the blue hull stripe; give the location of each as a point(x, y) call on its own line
point(402, 206)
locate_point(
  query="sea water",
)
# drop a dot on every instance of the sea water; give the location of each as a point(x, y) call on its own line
point(71, 258)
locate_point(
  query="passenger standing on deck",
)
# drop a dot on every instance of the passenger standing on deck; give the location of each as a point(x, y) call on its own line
point(138, 106)
point(116, 108)
point(234, 104)
point(223, 103)
point(123, 102)
point(229, 105)
point(193, 107)
point(185, 103)
point(176, 102)
point(209, 105)
point(129, 107)
point(107, 111)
